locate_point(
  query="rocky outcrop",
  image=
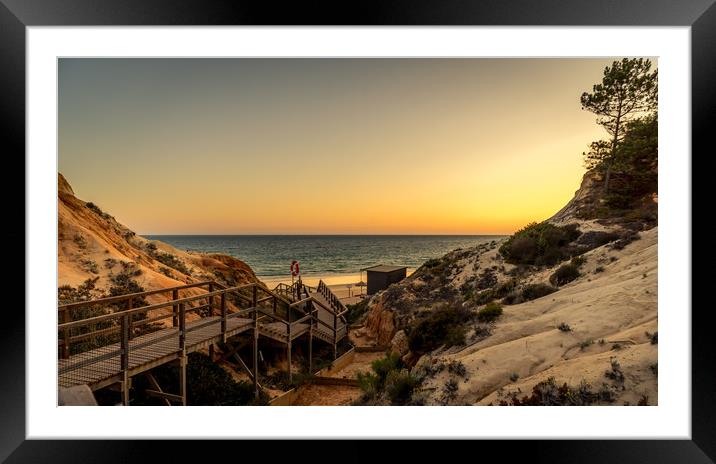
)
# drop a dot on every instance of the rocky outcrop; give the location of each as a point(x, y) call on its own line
point(380, 323)
point(399, 343)
point(585, 198)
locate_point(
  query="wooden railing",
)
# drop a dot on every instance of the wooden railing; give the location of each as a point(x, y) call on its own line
point(124, 318)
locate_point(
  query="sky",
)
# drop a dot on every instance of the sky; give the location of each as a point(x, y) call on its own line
point(325, 146)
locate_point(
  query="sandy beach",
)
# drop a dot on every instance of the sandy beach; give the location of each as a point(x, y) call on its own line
point(343, 285)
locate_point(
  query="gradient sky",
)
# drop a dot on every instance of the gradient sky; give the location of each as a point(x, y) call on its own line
point(325, 146)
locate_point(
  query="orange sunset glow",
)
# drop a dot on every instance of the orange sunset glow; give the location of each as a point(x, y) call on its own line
point(325, 146)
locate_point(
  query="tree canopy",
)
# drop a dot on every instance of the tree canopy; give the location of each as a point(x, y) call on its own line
point(628, 92)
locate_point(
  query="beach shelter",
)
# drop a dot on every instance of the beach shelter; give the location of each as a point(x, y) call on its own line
point(380, 277)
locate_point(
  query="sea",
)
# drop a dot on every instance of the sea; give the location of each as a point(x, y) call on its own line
point(333, 258)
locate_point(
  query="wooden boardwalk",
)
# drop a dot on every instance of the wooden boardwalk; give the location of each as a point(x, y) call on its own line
point(320, 315)
point(101, 367)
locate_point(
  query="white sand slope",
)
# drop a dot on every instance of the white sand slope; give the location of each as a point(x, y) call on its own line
point(617, 305)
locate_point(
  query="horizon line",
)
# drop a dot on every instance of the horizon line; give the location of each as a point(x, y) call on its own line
point(325, 235)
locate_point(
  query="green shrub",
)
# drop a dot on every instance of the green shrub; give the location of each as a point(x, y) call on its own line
point(534, 291)
point(431, 263)
point(457, 368)
point(625, 240)
point(172, 261)
point(539, 244)
point(490, 312)
point(565, 274)
point(399, 386)
point(444, 325)
point(514, 377)
point(564, 327)
point(356, 311)
point(578, 261)
point(390, 381)
point(449, 391)
point(94, 208)
point(382, 367)
point(615, 373)
point(90, 266)
point(80, 240)
point(500, 291)
point(584, 344)
point(207, 384)
point(549, 393)
point(166, 271)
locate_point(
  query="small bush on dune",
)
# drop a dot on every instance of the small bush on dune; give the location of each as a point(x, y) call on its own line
point(594, 239)
point(534, 291)
point(490, 312)
point(578, 261)
point(500, 291)
point(528, 293)
point(90, 266)
point(80, 241)
point(615, 373)
point(94, 208)
point(166, 271)
point(549, 393)
point(445, 325)
point(457, 368)
point(356, 311)
point(399, 386)
point(583, 345)
point(172, 261)
point(389, 381)
point(565, 274)
point(431, 263)
point(539, 244)
point(564, 327)
point(626, 238)
point(449, 391)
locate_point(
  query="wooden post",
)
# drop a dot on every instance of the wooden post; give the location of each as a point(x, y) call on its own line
point(288, 339)
point(256, 346)
point(175, 309)
point(211, 300)
point(124, 359)
point(211, 352)
point(182, 355)
point(183, 361)
point(223, 317)
point(310, 339)
point(131, 325)
point(65, 317)
point(288, 352)
point(182, 327)
point(335, 334)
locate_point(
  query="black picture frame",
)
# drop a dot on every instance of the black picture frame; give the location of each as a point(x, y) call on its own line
point(16, 15)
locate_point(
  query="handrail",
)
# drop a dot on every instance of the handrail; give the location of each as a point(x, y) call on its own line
point(180, 309)
point(114, 299)
point(304, 318)
point(129, 312)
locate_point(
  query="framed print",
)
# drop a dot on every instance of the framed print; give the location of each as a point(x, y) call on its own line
point(298, 224)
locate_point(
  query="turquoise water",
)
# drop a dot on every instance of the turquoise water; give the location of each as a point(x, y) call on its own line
point(324, 255)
